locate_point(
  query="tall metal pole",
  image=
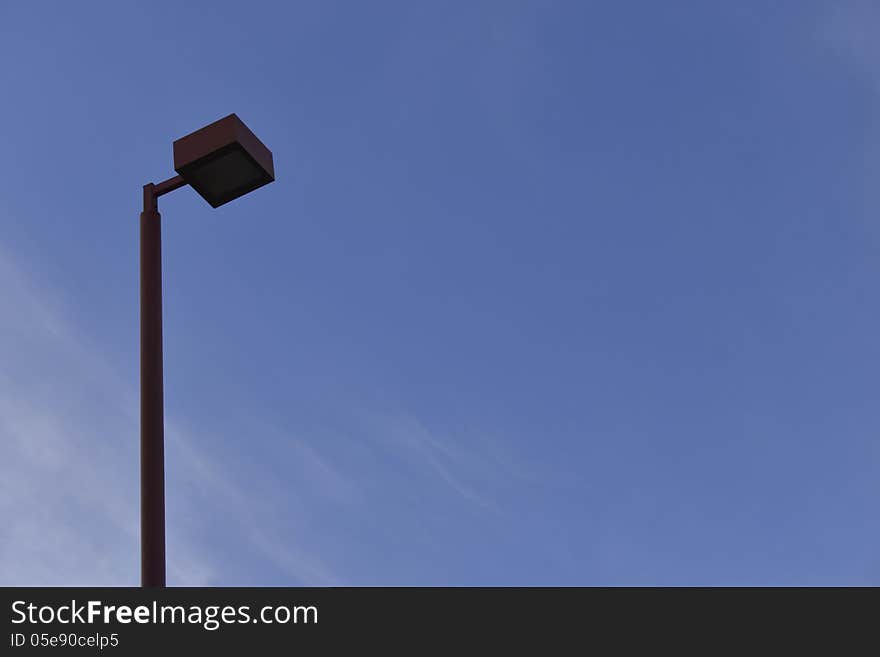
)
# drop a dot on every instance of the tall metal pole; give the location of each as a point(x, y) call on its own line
point(152, 413)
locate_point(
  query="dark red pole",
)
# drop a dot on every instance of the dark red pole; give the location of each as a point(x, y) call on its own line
point(152, 414)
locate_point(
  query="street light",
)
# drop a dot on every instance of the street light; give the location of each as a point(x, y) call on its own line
point(222, 161)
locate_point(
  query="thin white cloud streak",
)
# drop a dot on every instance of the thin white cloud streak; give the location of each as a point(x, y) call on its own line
point(473, 473)
point(439, 457)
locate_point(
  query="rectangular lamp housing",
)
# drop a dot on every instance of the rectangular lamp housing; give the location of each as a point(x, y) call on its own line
point(223, 160)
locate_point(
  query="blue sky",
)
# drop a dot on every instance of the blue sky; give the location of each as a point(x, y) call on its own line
point(544, 293)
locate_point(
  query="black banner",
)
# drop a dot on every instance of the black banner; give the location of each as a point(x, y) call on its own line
point(131, 621)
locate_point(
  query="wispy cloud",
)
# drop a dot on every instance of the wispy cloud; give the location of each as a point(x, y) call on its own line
point(68, 465)
point(850, 29)
point(69, 513)
point(472, 468)
point(69, 472)
point(260, 512)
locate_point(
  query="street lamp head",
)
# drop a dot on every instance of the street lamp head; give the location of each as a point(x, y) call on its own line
point(223, 160)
